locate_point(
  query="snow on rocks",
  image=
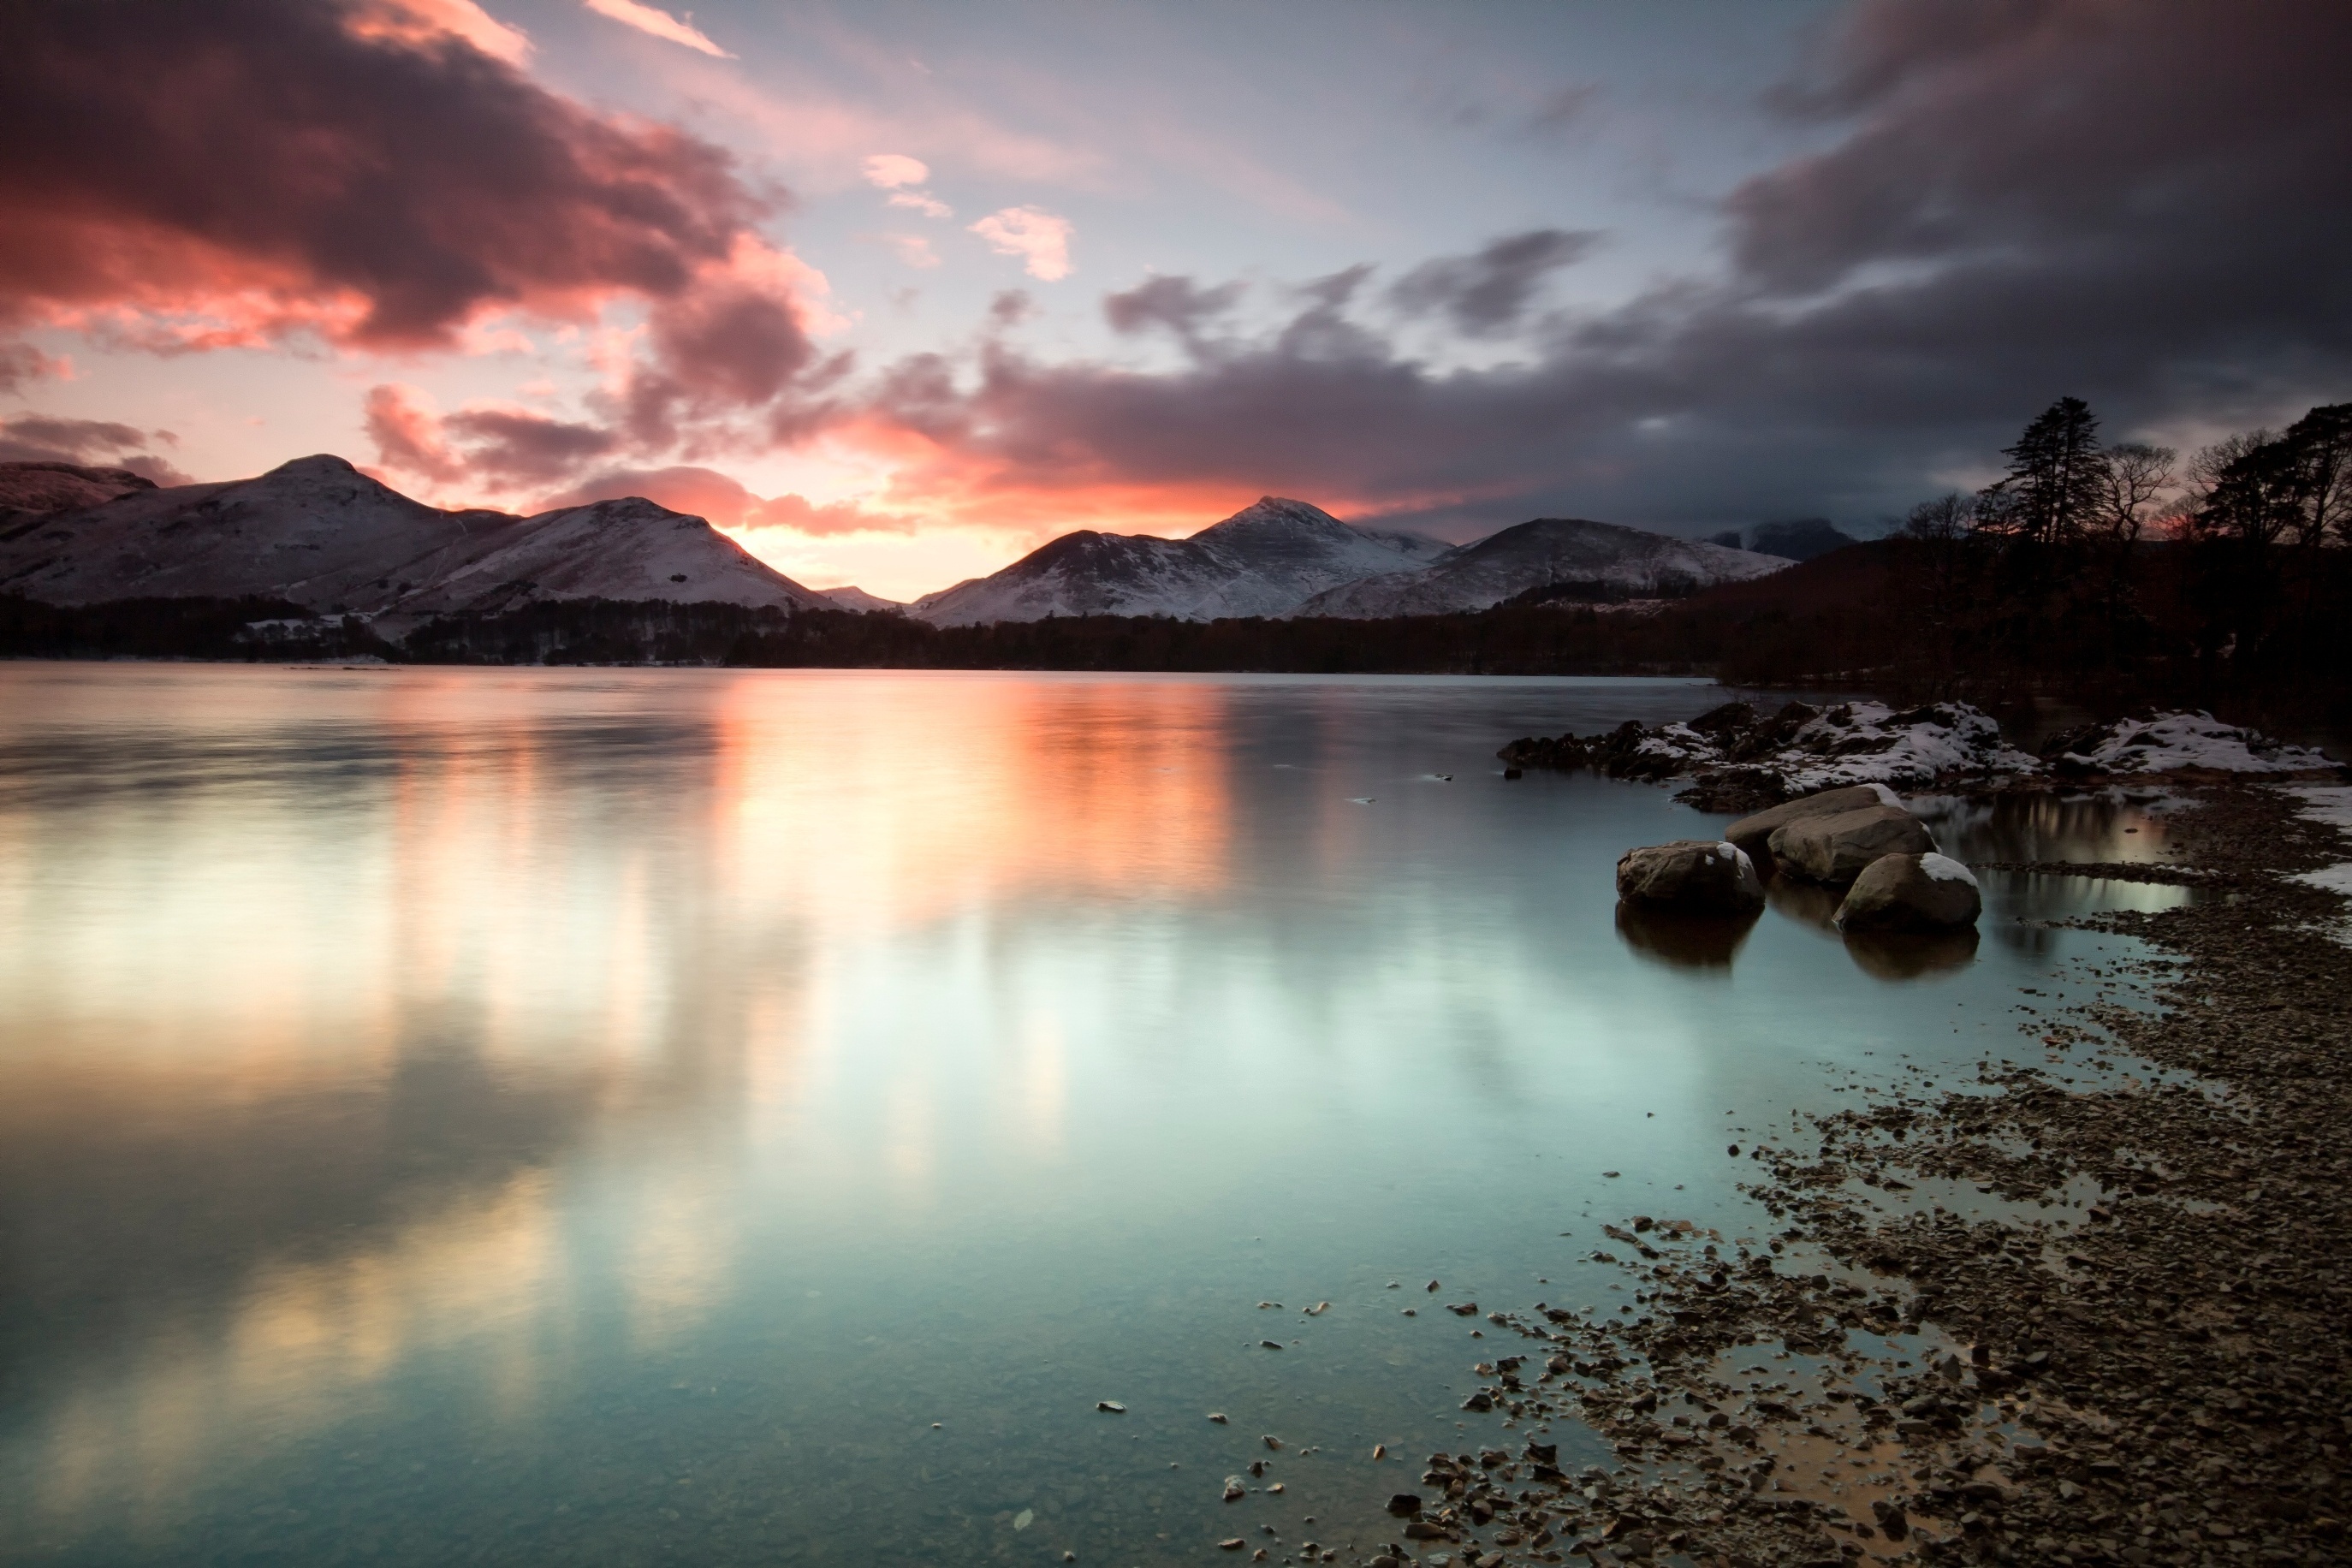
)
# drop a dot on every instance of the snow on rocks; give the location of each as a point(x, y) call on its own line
point(2176, 742)
point(1744, 760)
point(1741, 760)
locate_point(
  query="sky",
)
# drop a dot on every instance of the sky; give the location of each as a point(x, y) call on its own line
point(894, 292)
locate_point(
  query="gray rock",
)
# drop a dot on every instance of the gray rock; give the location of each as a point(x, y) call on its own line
point(1754, 833)
point(1911, 892)
point(1694, 875)
point(1835, 848)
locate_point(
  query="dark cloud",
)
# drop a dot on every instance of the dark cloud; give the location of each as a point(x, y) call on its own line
point(2012, 200)
point(382, 189)
point(1487, 293)
point(512, 449)
point(44, 438)
point(1177, 304)
point(239, 171)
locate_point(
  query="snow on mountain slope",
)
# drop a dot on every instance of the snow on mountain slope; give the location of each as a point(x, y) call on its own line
point(43, 487)
point(1549, 552)
point(1259, 562)
point(626, 549)
point(857, 598)
point(1083, 573)
point(315, 531)
point(318, 532)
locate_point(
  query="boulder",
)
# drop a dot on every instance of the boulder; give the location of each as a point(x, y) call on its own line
point(1835, 848)
point(1694, 876)
point(1911, 892)
point(1753, 834)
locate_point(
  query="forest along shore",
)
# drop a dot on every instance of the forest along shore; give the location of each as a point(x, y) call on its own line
point(2156, 1376)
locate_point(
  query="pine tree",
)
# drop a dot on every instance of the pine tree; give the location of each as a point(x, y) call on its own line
point(2052, 492)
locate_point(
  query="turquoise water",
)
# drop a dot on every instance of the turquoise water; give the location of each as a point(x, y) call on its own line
point(584, 1117)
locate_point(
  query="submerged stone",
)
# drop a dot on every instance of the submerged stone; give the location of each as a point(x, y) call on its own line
point(1835, 848)
point(1911, 892)
point(1753, 834)
point(1691, 876)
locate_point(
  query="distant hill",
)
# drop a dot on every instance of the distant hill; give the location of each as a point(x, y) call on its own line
point(1589, 559)
point(318, 534)
point(1262, 561)
point(856, 598)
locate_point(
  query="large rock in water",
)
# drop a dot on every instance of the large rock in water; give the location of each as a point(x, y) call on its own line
point(1911, 893)
point(1835, 848)
point(1754, 833)
point(1691, 876)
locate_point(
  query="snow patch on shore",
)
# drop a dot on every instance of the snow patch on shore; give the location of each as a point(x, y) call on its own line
point(2330, 804)
point(1870, 742)
point(2167, 741)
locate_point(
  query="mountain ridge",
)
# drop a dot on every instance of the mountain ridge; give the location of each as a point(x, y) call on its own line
point(316, 532)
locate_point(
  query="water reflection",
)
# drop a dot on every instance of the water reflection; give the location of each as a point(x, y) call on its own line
point(1910, 955)
point(586, 1116)
point(1683, 942)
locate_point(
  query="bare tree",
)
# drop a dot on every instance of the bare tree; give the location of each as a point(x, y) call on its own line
point(2132, 483)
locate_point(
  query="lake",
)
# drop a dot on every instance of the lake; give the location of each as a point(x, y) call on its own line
point(486, 1116)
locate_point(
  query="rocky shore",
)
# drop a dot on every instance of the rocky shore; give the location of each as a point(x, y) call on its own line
point(2141, 1359)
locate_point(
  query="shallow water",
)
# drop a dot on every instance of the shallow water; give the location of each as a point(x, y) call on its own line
point(518, 1116)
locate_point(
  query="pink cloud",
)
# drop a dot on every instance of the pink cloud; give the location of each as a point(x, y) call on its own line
point(725, 502)
point(1040, 238)
point(657, 24)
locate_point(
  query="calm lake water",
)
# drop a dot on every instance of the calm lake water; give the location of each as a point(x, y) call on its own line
point(614, 1117)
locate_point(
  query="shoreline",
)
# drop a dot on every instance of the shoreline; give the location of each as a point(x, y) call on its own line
point(2157, 1375)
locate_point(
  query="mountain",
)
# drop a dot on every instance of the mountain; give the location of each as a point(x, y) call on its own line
point(321, 534)
point(1598, 558)
point(42, 487)
point(1260, 561)
point(1799, 539)
point(855, 599)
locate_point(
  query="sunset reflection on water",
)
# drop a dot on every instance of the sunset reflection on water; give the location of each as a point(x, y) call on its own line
point(470, 1105)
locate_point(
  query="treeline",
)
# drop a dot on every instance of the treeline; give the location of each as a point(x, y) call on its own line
point(2119, 573)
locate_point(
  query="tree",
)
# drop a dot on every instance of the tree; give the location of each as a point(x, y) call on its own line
point(2293, 488)
point(2055, 486)
point(2133, 477)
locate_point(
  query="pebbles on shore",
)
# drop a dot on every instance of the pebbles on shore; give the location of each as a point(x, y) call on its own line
point(2158, 1375)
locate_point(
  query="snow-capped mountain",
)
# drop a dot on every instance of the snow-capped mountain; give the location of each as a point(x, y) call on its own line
point(1551, 551)
point(856, 598)
point(1260, 561)
point(42, 487)
point(321, 534)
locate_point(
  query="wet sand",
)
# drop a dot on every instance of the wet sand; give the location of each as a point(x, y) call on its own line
point(2092, 1310)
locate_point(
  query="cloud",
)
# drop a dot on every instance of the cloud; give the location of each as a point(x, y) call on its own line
point(422, 23)
point(371, 175)
point(895, 170)
point(406, 432)
point(481, 447)
point(1485, 294)
point(657, 23)
point(913, 249)
point(726, 503)
point(902, 176)
point(922, 201)
point(2001, 204)
point(1040, 238)
point(1177, 304)
point(45, 439)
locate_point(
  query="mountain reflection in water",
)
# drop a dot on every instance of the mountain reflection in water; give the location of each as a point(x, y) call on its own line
point(577, 1116)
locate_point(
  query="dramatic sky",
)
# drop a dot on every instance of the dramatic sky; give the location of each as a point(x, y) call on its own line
point(895, 290)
